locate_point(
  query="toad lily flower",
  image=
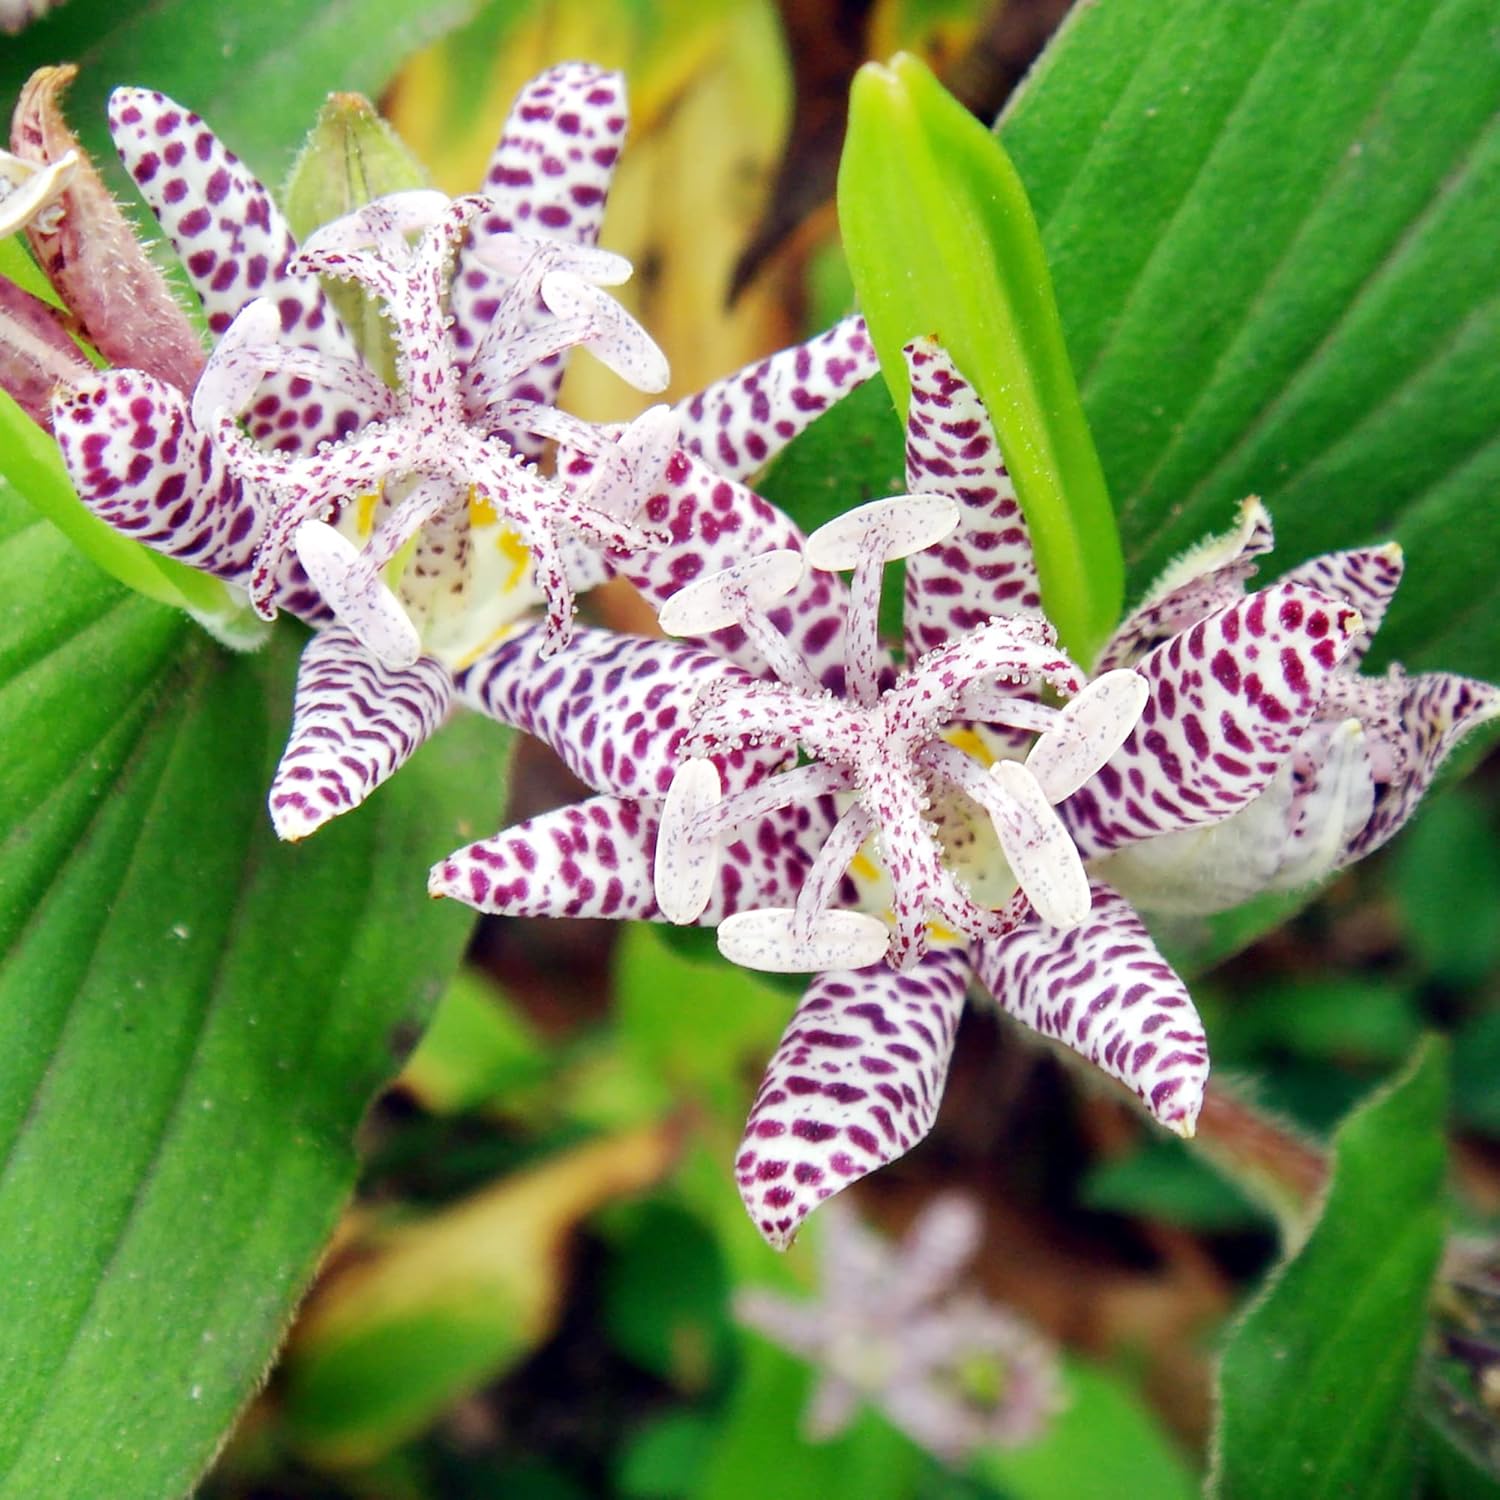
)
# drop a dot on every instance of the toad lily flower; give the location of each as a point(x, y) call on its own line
point(968, 782)
point(1358, 771)
point(889, 754)
point(892, 1327)
point(411, 526)
point(432, 456)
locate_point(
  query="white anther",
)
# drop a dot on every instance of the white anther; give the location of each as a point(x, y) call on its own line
point(363, 604)
point(687, 863)
point(1039, 849)
point(511, 251)
point(769, 940)
point(1088, 729)
point(610, 334)
point(29, 193)
point(892, 528)
point(723, 598)
point(242, 358)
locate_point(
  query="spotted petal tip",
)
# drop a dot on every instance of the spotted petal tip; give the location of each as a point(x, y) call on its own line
point(855, 1083)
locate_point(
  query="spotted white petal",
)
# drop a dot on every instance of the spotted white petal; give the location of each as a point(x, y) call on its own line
point(354, 724)
point(1103, 990)
point(855, 1083)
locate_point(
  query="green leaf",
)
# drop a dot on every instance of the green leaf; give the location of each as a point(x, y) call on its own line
point(256, 70)
point(1261, 222)
point(1163, 1181)
point(941, 241)
point(1315, 1386)
point(759, 1450)
point(480, 1047)
point(706, 1048)
point(666, 1297)
point(663, 1460)
point(192, 1019)
point(1446, 877)
point(1103, 1444)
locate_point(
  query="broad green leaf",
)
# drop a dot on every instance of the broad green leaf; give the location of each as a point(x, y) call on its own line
point(192, 1018)
point(941, 241)
point(709, 1047)
point(1265, 225)
point(1103, 1444)
point(256, 70)
point(1315, 1386)
point(664, 1459)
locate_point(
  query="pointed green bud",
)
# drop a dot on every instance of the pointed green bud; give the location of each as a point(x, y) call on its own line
point(351, 157)
point(942, 241)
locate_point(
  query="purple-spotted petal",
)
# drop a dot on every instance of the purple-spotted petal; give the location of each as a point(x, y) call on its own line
point(740, 423)
point(141, 466)
point(1103, 990)
point(1412, 725)
point(985, 567)
point(549, 175)
point(713, 523)
point(230, 236)
point(235, 246)
point(1207, 577)
point(595, 860)
point(1367, 578)
point(354, 723)
point(855, 1083)
point(616, 708)
point(1230, 698)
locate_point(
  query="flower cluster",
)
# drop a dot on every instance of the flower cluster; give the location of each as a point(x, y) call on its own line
point(977, 811)
point(412, 527)
point(905, 833)
point(892, 1327)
